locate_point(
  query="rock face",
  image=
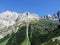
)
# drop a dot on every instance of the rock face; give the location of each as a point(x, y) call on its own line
point(58, 13)
point(27, 17)
point(55, 17)
point(9, 18)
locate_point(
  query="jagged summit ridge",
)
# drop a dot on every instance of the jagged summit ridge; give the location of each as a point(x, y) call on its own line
point(8, 18)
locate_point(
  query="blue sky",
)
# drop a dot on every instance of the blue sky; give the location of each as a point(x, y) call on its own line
point(41, 7)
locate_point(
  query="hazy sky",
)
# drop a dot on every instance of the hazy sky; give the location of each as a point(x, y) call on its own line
point(41, 7)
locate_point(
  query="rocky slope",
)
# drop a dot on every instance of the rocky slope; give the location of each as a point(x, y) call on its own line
point(11, 20)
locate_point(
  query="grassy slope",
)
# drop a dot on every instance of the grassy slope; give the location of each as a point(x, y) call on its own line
point(54, 33)
point(4, 40)
point(4, 43)
point(37, 33)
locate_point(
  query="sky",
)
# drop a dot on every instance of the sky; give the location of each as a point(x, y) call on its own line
point(40, 7)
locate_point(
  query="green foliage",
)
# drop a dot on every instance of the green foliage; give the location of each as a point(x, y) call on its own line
point(26, 42)
point(40, 33)
point(17, 38)
point(4, 40)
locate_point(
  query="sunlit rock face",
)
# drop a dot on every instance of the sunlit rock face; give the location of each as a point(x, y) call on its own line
point(9, 21)
point(27, 17)
point(8, 15)
point(9, 18)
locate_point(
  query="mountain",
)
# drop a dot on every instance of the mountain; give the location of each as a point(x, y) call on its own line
point(55, 17)
point(58, 13)
point(7, 18)
point(11, 20)
point(14, 24)
point(27, 17)
point(38, 33)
